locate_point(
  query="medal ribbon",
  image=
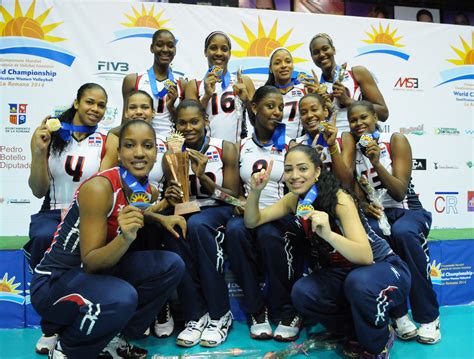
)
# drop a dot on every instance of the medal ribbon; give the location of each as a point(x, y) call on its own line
point(67, 130)
point(140, 197)
point(154, 87)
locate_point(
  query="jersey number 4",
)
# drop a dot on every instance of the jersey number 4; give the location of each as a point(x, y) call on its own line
point(75, 172)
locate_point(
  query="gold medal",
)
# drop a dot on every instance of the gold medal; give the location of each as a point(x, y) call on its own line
point(140, 200)
point(217, 71)
point(322, 126)
point(168, 84)
point(303, 210)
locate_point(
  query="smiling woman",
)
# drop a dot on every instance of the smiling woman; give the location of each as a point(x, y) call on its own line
point(60, 161)
point(277, 245)
point(281, 76)
point(353, 263)
point(223, 95)
point(213, 165)
point(160, 81)
point(384, 163)
point(357, 83)
point(89, 283)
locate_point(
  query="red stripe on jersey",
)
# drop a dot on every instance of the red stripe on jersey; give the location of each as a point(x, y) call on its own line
point(356, 84)
point(137, 81)
point(102, 152)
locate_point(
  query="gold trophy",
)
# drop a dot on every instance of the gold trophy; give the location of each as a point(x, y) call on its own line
point(178, 162)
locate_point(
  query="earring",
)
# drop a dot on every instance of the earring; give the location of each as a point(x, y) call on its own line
point(316, 179)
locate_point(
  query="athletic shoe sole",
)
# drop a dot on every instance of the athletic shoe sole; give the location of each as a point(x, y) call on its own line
point(430, 341)
point(186, 343)
point(407, 336)
point(263, 336)
point(279, 338)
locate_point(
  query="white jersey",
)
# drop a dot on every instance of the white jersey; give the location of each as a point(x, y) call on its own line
point(291, 116)
point(162, 122)
point(156, 176)
point(364, 167)
point(214, 170)
point(78, 161)
point(325, 155)
point(225, 110)
point(353, 91)
point(254, 157)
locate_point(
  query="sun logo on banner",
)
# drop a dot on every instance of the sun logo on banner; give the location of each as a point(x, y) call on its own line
point(142, 24)
point(383, 41)
point(435, 273)
point(255, 51)
point(8, 290)
point(29, 35)
point(464, 69)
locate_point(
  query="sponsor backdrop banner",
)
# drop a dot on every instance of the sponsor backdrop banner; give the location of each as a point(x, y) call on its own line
point(49, 48)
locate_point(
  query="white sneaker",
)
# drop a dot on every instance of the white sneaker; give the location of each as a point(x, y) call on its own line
point(404, 328)
point(260, 327)
point(216, 331)
point(46, 344)
point(429, 333)
point(191, 335)
point(288, 330)
point(164, 324)
point(57, 352)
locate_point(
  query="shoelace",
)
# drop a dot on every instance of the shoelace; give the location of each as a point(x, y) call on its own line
point(215, 324)
point(192, 324)
point(254, 318)
point(295, 321)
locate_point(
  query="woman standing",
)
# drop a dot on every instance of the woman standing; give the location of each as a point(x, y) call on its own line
point(357, 83)
point(160, 82)
point(224, 96)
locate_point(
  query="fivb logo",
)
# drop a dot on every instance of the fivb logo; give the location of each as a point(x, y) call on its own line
point(407, 82)
point(112, 66)
point(446, 202)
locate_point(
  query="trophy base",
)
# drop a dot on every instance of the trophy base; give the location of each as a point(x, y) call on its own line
point(186, 208)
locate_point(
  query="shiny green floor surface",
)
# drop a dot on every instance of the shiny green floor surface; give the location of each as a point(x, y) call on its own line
point(457, 325)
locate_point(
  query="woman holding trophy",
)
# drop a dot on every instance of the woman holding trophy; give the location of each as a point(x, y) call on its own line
point(384, 163)
point(210, 166)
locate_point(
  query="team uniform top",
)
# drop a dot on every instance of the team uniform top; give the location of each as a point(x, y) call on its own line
point(64, 252)
point(226, 112)
point(353, 91)
point(214, 170)
point(364, 167)
point(79, 160)
point(254, 157)
point(330, 257)
point(162, 122)
point(325, 153)
point(291, 119)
